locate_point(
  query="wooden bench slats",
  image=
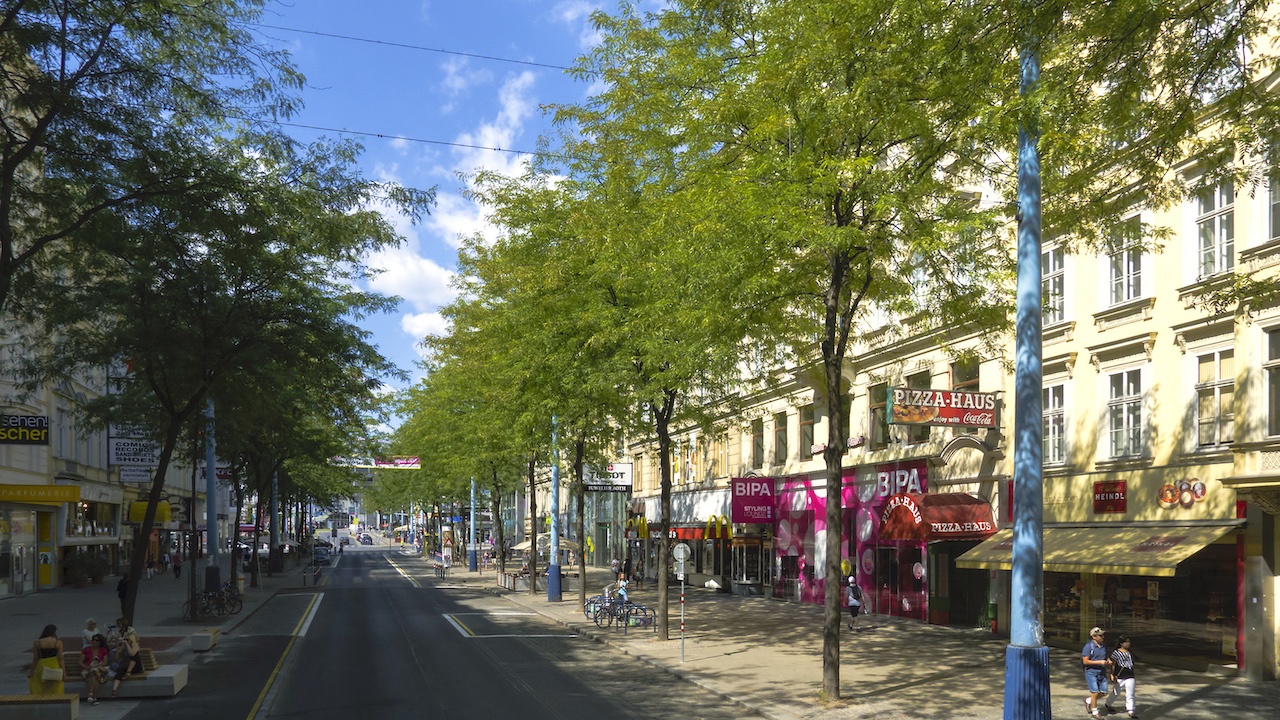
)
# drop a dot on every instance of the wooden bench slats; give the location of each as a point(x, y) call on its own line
point(38, 699)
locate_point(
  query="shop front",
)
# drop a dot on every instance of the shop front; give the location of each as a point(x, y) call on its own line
point(1173, 588)
point(29, 558)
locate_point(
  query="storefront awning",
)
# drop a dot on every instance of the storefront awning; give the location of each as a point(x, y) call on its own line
point(936, 516)
point(138, 511)
point(1101, 550)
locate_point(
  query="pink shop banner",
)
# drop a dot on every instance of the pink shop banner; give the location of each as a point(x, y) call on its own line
point(752, 500)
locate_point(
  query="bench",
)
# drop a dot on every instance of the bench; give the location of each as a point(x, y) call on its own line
point(40, 707)
point(155, 680)
point(204, 640)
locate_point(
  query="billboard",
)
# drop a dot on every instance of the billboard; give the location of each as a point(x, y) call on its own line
point(921, 406)
point(751, 500)
point(614, 477)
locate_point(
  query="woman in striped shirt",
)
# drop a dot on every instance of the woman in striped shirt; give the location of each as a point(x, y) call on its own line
point(1122, 675)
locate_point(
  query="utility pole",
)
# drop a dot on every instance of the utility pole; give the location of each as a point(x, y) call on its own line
point(553, 567)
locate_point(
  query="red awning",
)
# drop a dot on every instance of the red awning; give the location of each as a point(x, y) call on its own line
point(936, 516)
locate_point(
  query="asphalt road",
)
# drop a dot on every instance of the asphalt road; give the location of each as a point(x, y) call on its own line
point(382, 638)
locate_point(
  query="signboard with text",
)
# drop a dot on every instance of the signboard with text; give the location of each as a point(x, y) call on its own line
point(751, 500)
point(1109, 497)
point(130, 451)
point(919, 406)
point(24, 430)
point(614, 477)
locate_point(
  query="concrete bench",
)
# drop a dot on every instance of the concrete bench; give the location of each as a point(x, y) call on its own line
point(204, 640)
point(40, 707)
point(164, 681)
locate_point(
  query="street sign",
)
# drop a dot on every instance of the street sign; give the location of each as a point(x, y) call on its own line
point(681, 551)
point(681, 568)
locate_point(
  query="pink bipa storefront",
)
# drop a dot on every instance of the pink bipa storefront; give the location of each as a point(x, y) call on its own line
point(891, 572)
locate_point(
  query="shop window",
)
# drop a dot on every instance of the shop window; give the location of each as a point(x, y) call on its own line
point(879, 419)
point(1215, 390)
point(779, 438)
point(1053, 284)
point(806, 432)
point(919, 433)
point(757, 443)
point(1055, 424)
point(89, 519)
point(1215, 227)
point(1125, 263)
point(1124, 413)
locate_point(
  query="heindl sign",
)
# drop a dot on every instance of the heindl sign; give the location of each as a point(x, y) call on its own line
point(751, 500)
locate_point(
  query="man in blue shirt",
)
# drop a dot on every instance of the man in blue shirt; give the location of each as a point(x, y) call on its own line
point(1094, 658)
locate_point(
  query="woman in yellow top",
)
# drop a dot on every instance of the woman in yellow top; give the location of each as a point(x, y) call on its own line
point(46, 653)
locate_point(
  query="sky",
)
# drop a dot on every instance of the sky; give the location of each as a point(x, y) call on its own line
point(434, 112)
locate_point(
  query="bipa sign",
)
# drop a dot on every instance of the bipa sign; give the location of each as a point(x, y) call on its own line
point(897, 480)
point(751, 500)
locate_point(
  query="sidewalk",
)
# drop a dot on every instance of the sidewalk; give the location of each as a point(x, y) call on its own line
point(156, 618)
point(767, 656)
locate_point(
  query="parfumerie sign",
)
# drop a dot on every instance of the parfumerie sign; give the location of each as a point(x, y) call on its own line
point(24, 430)
point(917, 406)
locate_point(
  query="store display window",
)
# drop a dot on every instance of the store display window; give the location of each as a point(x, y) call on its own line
point(91, 519)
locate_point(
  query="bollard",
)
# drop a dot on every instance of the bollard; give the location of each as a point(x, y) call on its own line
point(315, 576)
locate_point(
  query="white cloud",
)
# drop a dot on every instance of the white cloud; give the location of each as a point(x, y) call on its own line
point(574, 12)
point(422, 283)
point(400, 145)
point(460, 76)
point(420, 325)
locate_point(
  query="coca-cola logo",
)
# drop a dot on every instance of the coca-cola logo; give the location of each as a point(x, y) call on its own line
point(979, 418)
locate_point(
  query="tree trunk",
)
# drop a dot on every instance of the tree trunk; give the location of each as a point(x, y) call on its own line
point(143, 540)
point(579, 449)
point(662, 424)
point(533, 528)
point(500, 543)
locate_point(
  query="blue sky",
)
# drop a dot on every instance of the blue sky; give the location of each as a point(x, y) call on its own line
point(430, 100)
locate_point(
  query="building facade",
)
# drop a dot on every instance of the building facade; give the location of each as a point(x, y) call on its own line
point(1161, 419)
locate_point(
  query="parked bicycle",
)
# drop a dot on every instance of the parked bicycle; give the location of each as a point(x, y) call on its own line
point(218, 603)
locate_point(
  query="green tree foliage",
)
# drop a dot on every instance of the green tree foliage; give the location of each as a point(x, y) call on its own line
point(107, 104)
point(854, 140)
point(186, 299)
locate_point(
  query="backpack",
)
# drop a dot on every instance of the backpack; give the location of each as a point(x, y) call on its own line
point(855, 594)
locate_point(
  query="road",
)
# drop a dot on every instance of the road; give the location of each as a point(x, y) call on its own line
point(381, 637)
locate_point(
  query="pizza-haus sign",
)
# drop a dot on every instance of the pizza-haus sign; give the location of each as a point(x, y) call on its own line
point(918, 406)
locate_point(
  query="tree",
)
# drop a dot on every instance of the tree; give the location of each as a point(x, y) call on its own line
point(852, 136)
point(183, 299)
point(106, 107)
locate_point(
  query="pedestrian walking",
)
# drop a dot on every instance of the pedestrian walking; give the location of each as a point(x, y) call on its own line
point(122, 591)
point(640, 573)
point(47, 673)
point(164, 563)
point(151, 568)
point(177, 566)
point(626, 568)
point(1122, 676)
point(853, 594)
point(1094, 659)
point(616, 567)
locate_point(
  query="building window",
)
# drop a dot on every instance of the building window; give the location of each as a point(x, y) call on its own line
point(1215, 226)
point(675, 462)
point(806, 432)
point(1215, 389)
point(1055, 425)
point(779, 438)
point(964, 375)
point(1053, 284)
point(919, 433)
point(1125, 263)
point(1275, 208)
point(1272, 369)
point(690, 462)
point(1124, 413)
point(757, 443)
point(638, 468)
point(720, 459)
point(876, 397)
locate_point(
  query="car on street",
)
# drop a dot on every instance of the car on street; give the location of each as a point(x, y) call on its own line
point(320, 556)
point(366, 540)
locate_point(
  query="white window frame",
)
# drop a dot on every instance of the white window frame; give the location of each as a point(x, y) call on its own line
point(1125, 403)
point(1215, 229)
point(1051, 273)
point(1271, 369)
point(1273, 208)
point(1215, 389)
point(1124, 265)
point(1054, 413)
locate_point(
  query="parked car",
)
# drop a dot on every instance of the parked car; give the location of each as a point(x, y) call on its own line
point(320, 556)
